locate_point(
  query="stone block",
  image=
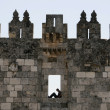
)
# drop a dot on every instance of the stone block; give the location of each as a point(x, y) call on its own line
point(20, 61)
point(46, 65)
point(104, 94)
point(29, 88)
point(1, 93)
point(90, 74)
point(4, 68)
point(9, 74)
point(107, 68)
point(108, 74)
point(33, 68)
point(13, 93)
point(78, 46)
point(87, 81)
point(33, 106)
point(26, 68)
point(75, 106)
point(18, 87)
point(75, 94)
point(78, 88)
point(103, 106)
point(5, 62)
point(6, 80)
point(80, 74)
point(10, 87)
point(31, 74)
point(32, 81)
point(38, 106)
point(29, 62)
point(9, 99)
point(17, 99)
point(25, 99)
point(105, 74)
point(5, 106)
point(1, 61)
point(24, 81)
point(106, 99)
point(15, 80)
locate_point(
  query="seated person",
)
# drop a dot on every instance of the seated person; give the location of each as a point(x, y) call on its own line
point(56, 96)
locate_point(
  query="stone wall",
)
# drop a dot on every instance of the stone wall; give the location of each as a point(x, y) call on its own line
point(82, 63)
point(19, 84)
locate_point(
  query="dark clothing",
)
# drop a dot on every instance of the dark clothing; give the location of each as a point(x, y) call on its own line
point(56, 96)
point(59, 94)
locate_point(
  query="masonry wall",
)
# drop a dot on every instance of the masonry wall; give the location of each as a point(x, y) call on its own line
point(19, 84)
point(26, 63)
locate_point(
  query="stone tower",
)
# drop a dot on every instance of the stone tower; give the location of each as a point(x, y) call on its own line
point(54, 61)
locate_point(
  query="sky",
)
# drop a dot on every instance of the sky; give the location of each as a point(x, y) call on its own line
point(71, 10)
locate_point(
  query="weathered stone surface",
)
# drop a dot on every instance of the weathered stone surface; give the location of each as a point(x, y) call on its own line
point(107, 68)
point(80, 74)
point(20, 61)
point(9, 99)
point(18, 87)
point(15, 80)
point(10, 87)
point(46, 65)
point(105, 74)
point(29, 62)
point(4, 68)
point(90, 74)
point(33, 68)
point(26, 68)
point(33, 106)
point(6, 80)
point(24, 81)
point(13, 93)
point(5, 106)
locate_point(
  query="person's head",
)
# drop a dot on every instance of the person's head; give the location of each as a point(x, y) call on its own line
point(57, 90)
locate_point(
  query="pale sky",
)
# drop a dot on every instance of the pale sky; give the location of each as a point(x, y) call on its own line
point(54, 82)
point(71, 10)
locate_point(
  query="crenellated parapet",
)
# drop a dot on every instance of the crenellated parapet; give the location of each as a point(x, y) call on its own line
point(21, 29)
point(88, 30)
point(54, 31)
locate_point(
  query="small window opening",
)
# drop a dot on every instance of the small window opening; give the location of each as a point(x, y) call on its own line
point(54, 82)
point(88, 34)
point(54, 22)
point(20, 33)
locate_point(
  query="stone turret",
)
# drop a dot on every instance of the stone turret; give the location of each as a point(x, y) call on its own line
point(14, 26)
point(94, 27)
point(82, 27)
point(54, 30)
point(54, 37)
point(27, 26)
